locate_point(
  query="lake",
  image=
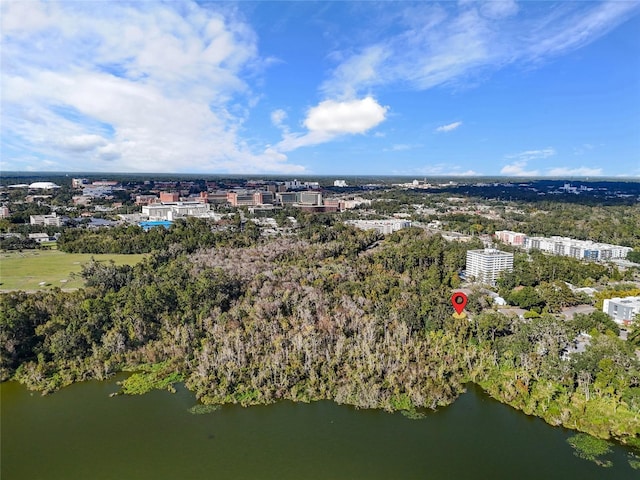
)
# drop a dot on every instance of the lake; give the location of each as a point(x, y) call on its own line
point(82, 433)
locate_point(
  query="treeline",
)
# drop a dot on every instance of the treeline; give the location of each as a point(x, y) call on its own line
point(597, 390)
point(348, 317)
point(190, 233)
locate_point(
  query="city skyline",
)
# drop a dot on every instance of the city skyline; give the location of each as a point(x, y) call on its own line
point(323, 88)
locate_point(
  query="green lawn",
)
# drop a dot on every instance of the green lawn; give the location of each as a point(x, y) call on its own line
point(27, 270)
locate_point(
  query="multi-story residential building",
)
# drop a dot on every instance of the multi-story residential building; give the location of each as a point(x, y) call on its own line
point(511, 238)
point(486, 265)
point(622, 310)
point(582, 249)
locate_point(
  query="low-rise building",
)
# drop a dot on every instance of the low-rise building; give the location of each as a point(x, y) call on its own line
point(41, 237)
point(52, 220)
point(622, 310)
point(172, 211)
point(146, 199)
point(382, 226)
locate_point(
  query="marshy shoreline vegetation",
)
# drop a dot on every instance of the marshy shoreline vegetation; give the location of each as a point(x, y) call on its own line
point(332, 313)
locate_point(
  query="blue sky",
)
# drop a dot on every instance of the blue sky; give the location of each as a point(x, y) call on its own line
point(405, 88)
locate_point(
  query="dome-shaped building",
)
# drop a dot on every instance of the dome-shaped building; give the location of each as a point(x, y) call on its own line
point(43, 185)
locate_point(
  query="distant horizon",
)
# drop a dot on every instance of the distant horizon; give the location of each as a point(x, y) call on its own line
point(252, 176)
point(450, 89)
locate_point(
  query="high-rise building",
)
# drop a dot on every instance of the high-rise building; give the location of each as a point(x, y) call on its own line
point(485, 265)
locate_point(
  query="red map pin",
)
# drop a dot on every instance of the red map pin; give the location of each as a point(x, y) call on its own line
point(459, 301)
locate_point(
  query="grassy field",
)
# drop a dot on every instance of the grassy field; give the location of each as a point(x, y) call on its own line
point(45, 269)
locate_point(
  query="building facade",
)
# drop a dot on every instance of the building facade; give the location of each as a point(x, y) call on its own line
point(382, 226)
point(486, 265)
point(570, 247)
point(622, 310)
point(52, 220)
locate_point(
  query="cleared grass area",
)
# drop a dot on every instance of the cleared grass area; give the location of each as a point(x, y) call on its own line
point(45, 269)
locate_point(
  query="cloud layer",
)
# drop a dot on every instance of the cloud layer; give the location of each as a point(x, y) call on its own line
point(148, 87)
point(430, 44)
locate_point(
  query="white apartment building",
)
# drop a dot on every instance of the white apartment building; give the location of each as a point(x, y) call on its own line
point(383, 226)
point(622, 310)
point(485, 265)
point(570, 247)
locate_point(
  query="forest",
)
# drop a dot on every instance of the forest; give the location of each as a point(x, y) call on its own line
point(331, 313)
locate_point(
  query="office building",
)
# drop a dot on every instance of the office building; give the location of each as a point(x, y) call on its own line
point(173, 211)
point(52, 220)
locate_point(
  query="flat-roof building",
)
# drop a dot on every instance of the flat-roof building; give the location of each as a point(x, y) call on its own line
point(622, 310)
point(383, 226)
point(52, 220)
point(172, 211)
point(486, 265)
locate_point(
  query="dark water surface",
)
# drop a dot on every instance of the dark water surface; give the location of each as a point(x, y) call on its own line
point(81, 433)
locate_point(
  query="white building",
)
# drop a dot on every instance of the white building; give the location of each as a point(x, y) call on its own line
point(40, 237)
point(383, 226)
point(570, 247)
point(52, 220)
point(485, 265)
point(339, 183)
point(622, 310)
point(173, 211)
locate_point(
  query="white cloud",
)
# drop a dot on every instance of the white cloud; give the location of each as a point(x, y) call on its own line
point(517, 169)
point(498, 8)
point(458, 44)
point(82, 143)
point(147, 87)
point(574, 172)
point(354, 116)
point(445, 170)
point(533, 154)
point(277, 117)
point(449, 127)
point(330, 119)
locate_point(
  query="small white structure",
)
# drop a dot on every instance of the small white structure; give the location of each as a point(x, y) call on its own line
point(40, 237)
point(339, 183)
